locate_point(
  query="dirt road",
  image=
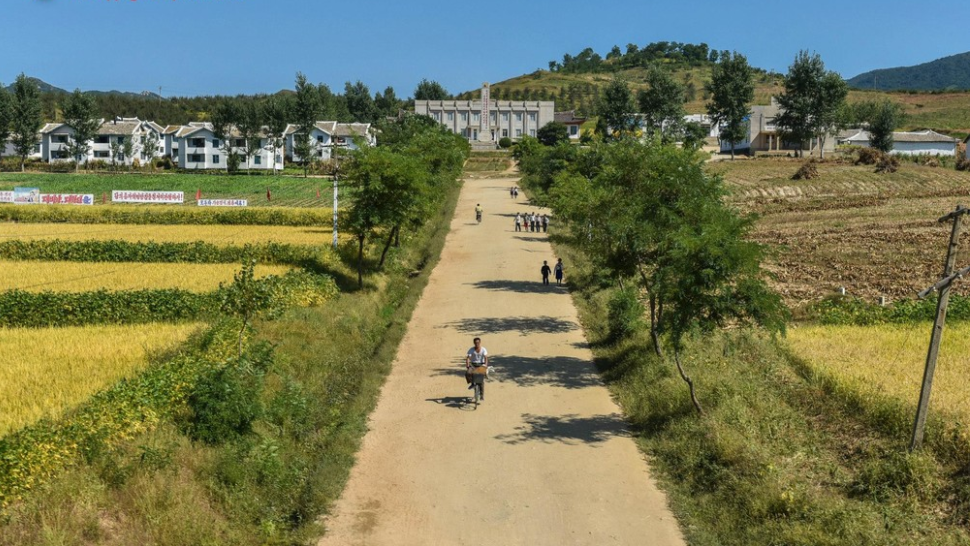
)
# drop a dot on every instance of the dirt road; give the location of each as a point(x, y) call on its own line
point(545, 460)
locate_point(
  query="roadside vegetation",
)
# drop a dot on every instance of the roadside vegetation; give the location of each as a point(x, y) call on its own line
point(246, 432)
point(759, 438)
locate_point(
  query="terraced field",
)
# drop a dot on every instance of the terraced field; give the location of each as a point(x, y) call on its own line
point(220, 234)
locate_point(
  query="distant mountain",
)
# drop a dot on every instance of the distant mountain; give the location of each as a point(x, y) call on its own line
point(947, 73)
point(48, 88)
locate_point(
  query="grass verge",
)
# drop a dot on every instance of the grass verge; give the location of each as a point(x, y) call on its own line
point(781, 456)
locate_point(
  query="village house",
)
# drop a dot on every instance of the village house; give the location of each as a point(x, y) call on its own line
point(572, 122)
point(912, 143)
point(327, 135)
point(764, 136)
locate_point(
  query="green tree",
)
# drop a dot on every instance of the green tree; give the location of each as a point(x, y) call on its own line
point(306, 108)
point(250, 126)
point(553, 133)
point(150, 148)
point(276, 110)
point(882, 118)
point(359, 102)
point(662, 104)
point(80, 113)
point(6, 116)
point(430, 90)
point(387, 104)
point(616, 109)
point(811, 101)
point(732, 91)
point(224, 120)
point(245, 298)
point(26, 118)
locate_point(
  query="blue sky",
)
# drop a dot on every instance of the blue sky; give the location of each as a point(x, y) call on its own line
point(199, 47)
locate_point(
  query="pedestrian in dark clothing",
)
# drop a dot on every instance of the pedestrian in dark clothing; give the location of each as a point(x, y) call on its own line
point(545, 272)
point(515, 192)
point(545, 223)
point(558, 269)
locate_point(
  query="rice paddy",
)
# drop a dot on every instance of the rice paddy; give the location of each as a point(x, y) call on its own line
point(216, 234)
point(889, 360)
point(36, 276)
point(46, 371)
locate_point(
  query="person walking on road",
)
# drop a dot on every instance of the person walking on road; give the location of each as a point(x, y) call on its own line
point(545, 223)
point(545, 272)
point(558, 270)
point(515, 192)
point(518, 222)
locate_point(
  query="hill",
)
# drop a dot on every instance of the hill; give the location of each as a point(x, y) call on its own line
point(49, 88)
point(948, 73)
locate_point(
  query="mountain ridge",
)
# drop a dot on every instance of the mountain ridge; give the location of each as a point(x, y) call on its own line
point(945, 73)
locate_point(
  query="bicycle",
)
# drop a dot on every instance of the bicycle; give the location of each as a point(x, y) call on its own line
point(478, 376)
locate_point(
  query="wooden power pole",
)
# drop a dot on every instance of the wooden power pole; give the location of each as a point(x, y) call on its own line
point(937, 335)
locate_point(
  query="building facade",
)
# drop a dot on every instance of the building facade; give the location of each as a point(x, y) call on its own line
point(489, 120)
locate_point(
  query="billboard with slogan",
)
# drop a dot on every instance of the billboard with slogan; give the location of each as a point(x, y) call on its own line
point(26, 196)
point(223, 203)
point(128, 196)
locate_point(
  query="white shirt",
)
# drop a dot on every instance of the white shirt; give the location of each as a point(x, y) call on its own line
point(477, 358)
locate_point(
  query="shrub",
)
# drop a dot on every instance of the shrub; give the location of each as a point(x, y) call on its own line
point(808, 171)
point(226, 400)
point(624, 315)
point(963, 164)
point(505, 142)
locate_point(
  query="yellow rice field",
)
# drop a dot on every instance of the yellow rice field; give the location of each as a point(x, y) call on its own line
point(889, 360)
point(45, 371)
point(215, 234)
point(37, 276)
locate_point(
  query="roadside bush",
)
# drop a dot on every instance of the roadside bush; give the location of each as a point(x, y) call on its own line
point(197, 252)
point(226, 400)
point(624, 314)
point(808, 170)
point(963, 164)
point(21, 309)
point(505, 142)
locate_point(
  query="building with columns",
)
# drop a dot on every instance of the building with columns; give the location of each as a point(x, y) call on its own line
point(486, 121)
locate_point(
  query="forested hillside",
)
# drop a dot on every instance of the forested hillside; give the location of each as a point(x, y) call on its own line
point(949, 73)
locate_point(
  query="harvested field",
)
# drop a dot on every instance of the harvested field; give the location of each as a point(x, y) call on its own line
point(37, 276)
point(876, 235)
point(45, 371)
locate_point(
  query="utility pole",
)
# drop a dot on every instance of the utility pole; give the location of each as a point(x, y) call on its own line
point(943, 286)
point(336, 175)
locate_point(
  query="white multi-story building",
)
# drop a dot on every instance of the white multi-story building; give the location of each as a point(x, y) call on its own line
point(489, 120)
point(198, 147)
point(327, 135)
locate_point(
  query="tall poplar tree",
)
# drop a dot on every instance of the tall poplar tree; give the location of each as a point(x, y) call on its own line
point(306, 108)
point(26, 118)
point(6, 115)
point(662, 105)
point(616, 109)
point(811, 100)
point(80, 113)
point(732, 92)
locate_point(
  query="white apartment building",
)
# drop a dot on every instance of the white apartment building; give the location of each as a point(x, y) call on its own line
point(327, 135)
point(198, 147)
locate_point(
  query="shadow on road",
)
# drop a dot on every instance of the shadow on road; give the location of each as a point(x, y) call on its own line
point(523, 325)
point(522, 287)
point(553, 371)
point(532, 239)
point(457, 402)
point(567, 429)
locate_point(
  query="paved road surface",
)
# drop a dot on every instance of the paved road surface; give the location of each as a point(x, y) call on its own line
point(545, 460)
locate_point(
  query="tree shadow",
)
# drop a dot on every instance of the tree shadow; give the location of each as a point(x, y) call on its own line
point(523, 325)
point(522, 287)
point(531, 239)
point(553, 371)
point(456, 402)
point(567, 429)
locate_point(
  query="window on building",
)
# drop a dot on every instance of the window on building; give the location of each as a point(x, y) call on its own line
point(258, 160)
point(101, 139)
point(436, 116)
point(505, 133)
point(532, 132)
point(518, 133)
point(476, 118)
point(215, 143)
point(491, 119)
point(451, 116)
point(464, 116)
point(319, 139)
point(518, 117)
point(197, 143)
point(573, 130)
point(532, 117)
point(505, 117)
point(121, 140)
point(215, 159)
point(60, 139)
point(101, 154)
point(240, 143)
point(196, 158)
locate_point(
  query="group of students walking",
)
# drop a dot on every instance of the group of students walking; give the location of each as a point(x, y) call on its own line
point(532, 221)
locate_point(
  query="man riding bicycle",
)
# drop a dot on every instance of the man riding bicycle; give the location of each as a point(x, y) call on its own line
point(476, 366)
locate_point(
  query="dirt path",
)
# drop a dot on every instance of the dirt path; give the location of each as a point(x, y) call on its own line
point(546, 459)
